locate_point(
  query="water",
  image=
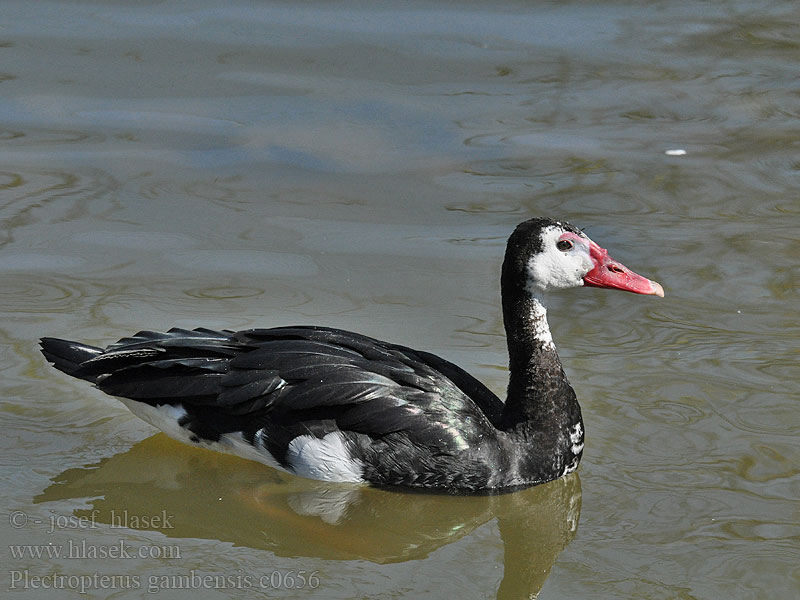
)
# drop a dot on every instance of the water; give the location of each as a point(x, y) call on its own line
point(359, 165)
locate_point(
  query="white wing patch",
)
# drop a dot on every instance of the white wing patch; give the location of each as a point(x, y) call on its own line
point(327, 458)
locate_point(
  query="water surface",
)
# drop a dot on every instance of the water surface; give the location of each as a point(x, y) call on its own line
point(360, 165)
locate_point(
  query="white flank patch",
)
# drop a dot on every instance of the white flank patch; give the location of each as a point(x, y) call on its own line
point(166, 418)
point(327, 459)
point(576, 437)
point(234, 443)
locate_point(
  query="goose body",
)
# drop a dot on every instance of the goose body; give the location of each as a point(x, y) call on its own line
point(338, 406)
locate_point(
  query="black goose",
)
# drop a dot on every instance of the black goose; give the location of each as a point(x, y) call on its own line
point(338, 406)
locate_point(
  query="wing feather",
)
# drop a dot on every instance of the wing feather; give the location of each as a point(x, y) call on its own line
point(292, 379)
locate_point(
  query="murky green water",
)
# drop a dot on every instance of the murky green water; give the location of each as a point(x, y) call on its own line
point(359, 165)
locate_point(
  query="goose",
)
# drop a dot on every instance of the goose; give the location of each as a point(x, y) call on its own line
point(338, 406)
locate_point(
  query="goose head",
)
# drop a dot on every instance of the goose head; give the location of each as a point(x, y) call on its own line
point(551, 255)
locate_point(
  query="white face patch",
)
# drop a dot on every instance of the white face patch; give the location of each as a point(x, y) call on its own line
point(554, 269)
point(327, 459)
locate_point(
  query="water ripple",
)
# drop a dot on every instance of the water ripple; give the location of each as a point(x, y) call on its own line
point(42, 294)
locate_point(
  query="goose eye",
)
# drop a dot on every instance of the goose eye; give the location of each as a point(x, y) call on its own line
point(564, 245)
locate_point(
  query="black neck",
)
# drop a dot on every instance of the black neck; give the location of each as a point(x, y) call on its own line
point(541, 404)
point(541, 417)
point(538, 389)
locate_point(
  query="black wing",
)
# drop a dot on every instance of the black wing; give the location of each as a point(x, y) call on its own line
point(292, 381)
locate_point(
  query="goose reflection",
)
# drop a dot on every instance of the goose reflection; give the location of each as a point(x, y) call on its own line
point(216, 497)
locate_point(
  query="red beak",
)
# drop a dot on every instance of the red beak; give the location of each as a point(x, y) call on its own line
point(608, 273)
